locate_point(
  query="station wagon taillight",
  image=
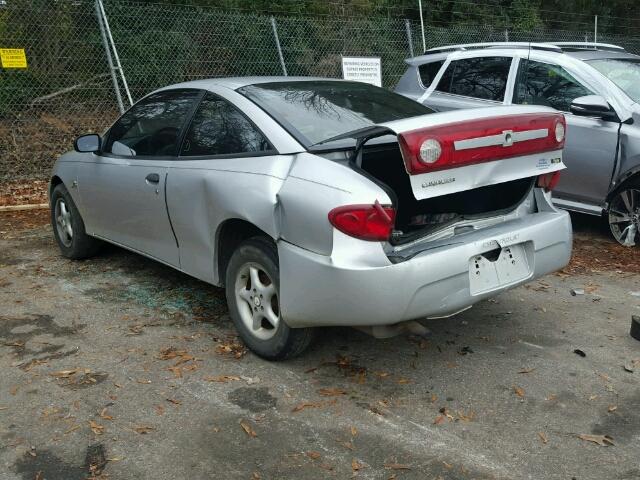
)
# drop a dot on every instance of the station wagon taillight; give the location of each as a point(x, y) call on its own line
point(477, 141)
point(366, 222)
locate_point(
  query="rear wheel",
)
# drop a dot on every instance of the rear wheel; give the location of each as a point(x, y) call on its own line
point(68, 226)
point(624, 214)
point(253, 295)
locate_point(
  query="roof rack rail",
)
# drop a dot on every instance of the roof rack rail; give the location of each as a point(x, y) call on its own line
point(587, 46)
point(473, 46)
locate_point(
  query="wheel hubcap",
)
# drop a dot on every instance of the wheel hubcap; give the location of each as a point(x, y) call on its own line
point(624, 216)
point(257, 300)
point(63, 222)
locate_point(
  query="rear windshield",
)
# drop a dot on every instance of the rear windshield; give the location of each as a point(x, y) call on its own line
point(625, 73)
point(314, 111)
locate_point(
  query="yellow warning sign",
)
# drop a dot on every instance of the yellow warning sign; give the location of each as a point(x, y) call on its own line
point(13, 58)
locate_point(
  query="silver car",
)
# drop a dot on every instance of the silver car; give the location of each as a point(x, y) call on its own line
point(321, 202)
point(597, 86)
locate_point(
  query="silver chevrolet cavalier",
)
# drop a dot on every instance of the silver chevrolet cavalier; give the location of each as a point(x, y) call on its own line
point(318, 202)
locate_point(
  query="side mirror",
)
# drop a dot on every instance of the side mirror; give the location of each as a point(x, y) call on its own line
point(593, 106)
point(88, 143)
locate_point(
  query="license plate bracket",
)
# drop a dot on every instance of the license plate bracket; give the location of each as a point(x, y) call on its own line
point(487, 274)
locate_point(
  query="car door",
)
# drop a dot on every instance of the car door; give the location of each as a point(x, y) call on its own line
point(123, 189)
point(470, 83)
point(590, 145)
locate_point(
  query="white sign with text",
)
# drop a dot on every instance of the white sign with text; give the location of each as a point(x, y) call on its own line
point(362, 69)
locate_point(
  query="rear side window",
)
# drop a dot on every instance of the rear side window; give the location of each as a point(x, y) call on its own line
point(219, 128)
point(541, 83)
point(428, 72)
point(482, 77)
point(152, 126)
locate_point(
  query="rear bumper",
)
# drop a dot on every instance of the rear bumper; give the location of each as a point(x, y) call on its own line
point(360, 289)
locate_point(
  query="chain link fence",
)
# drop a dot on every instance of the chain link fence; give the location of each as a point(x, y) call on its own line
point(67, 88)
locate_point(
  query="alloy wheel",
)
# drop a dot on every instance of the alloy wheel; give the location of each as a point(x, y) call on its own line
point(624, 216)
point(63, 222)
point(257, 301)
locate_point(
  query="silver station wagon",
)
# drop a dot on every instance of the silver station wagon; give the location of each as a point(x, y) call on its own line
point(597, 86)
point(319, 202)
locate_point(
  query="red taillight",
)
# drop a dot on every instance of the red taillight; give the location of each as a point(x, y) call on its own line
point(366, 222)
point(476, 141)
point(548, 181)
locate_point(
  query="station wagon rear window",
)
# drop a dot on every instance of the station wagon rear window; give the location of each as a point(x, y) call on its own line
point(314, 111)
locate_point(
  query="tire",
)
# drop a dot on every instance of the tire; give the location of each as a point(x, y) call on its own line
point(252, 289)
point(68, 226)
point(624, 213)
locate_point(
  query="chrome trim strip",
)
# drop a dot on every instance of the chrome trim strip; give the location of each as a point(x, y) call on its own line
point(505, 138)
point(579, 207)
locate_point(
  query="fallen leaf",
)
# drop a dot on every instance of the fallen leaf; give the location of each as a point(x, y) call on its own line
point(628, 368)
point(69, 430)
point(331, 392)
point(396, 466)
point(104, 415)
point(579, 352)
point(612, 408)
point(144, 382)
point(518, 391)
point(159, 409)
point(526, 370)
point(403, 381)
point(355, 465)
point(439, 419)
point(256, 476)
point(175, 402)
point(96, 428)
point(247, 428)
point(143, 429)
point(65, 373)
point(313, 455)
point(602, 440)
point(543, 437)
point(354, 431)
point(466, 417)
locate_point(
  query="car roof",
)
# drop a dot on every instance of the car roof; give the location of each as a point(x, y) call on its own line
point(234, 83)
point(578, 50)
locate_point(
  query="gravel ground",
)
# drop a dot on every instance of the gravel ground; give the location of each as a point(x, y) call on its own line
point(120, 368)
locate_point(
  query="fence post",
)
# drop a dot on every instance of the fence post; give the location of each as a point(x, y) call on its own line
point(107, 52)
point(407, 25)
point(506, 35)
point(275, 35)
point(115, 51)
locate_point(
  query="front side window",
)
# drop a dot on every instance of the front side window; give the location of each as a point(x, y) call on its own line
point(314, 111)
point(218, 128)
point(428, 72)
point(481, 77)
point(152, 126)
point(545, 84)
point(625, 73)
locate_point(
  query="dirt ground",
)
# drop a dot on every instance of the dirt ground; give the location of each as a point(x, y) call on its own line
point(121, 368)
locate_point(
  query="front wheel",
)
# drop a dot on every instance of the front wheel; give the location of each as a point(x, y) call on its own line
point(624, 215)
point(68, 226)
point(253, 296)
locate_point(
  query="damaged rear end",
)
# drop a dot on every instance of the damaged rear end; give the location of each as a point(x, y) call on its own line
point(449, 173)
point(466, 213)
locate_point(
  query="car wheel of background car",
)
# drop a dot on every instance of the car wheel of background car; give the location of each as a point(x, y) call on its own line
point(624, 213)
point(253, 288)
point(68, 226)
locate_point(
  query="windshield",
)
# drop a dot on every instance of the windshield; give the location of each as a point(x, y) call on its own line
point(317, 110)
point(625, 73)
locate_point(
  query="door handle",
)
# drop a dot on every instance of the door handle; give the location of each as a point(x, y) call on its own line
point(153, 178)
